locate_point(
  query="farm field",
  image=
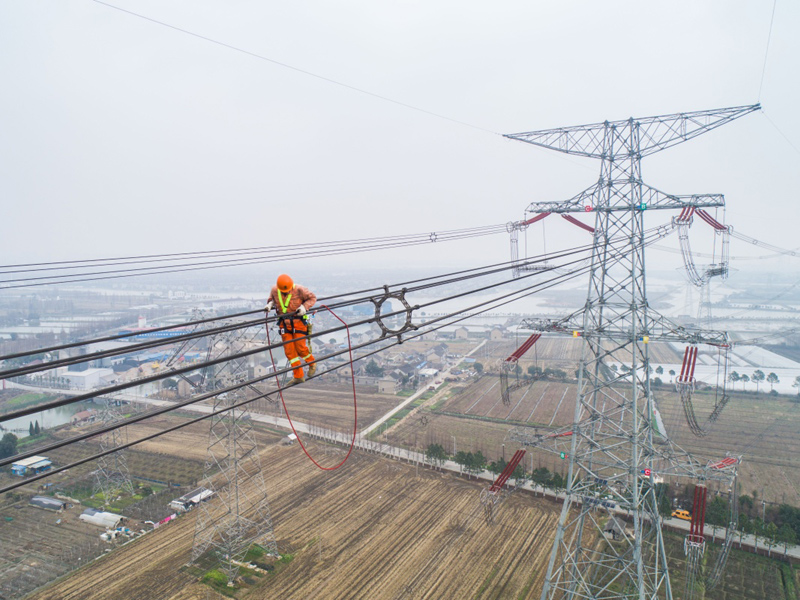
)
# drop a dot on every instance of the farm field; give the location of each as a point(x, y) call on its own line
point(151, 465)
point(540, 403)
point(374, 529)
point(329, 404)
point(470, 435)
point(760, 427)
point(182, 442)
point(558, 351)
point(35, 547)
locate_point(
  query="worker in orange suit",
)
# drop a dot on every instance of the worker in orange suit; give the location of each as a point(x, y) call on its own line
point(292, 302)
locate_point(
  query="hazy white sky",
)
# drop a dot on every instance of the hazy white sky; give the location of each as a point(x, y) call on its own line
point(120, 136)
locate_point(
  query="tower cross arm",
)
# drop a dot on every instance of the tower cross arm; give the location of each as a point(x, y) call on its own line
point(583, 140)
point(590, 199)
point(663, 329)
point(670, 460)
point(570, 323)
point(556, 441)
point(654, 133)
point(655, 199)
point(660, 133)
point(578, 203)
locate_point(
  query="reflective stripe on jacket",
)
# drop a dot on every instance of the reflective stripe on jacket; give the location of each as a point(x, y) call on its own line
point(292, 300)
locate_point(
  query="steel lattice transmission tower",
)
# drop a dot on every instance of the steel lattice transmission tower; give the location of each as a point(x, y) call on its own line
point(613, 448)
point(238, 515)
point(112, 476)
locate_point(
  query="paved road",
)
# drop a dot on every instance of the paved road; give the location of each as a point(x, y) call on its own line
point(444, 374)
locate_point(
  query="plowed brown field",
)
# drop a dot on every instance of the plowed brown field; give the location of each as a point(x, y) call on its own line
point(373, 529)
point(330, 404)
point(538, 402)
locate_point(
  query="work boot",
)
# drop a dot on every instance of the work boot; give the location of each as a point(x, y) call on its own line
point(295, 381)
point(312, 369)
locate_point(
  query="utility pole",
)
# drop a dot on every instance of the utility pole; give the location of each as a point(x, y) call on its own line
point(613, 446)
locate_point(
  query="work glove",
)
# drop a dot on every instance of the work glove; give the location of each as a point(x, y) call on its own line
point(302, 310)
point(270, 305)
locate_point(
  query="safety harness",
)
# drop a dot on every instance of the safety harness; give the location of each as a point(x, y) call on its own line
point(286, 323)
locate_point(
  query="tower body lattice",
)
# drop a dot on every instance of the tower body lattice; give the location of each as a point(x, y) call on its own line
point(614, 451)
point(112, 476)
point(237, 516)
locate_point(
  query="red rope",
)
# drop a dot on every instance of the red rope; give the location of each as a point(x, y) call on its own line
point(355, 407)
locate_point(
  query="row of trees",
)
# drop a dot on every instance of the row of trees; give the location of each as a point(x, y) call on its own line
point(535, 372)
point(779, 526)
point(757, 377)
point(548, 373)
point(776, 526)
point(474, 463)
point(771, 518)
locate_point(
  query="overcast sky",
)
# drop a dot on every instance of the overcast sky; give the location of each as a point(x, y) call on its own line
point(120, 136)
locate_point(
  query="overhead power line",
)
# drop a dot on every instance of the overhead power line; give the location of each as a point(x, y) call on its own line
point(304, 247)
point(439, 322)
point(296, 69)
point(229, 258)
point(778, 129)
point(185, 369)
point(766, 50)
point(656, 233)
point(355, 297)
point(234, 387)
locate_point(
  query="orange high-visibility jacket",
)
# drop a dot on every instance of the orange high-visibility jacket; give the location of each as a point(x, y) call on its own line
point(299, 295)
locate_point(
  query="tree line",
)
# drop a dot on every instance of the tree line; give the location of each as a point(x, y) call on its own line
point(776, 525)
point(758, 377)
point(473, 463)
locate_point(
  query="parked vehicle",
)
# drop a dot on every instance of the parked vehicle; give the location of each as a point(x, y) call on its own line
point(682, 514)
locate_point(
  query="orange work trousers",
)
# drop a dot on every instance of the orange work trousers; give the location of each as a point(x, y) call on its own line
point(296, 349)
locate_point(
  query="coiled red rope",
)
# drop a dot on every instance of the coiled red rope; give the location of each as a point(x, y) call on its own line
point(355, 406)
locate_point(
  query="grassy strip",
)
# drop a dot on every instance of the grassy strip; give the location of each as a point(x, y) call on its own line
point(486, 582)
point(32, 439)
point(418, 402)
point(523, 594)
point(397, 417)
point(28, 399)
point(789, 587)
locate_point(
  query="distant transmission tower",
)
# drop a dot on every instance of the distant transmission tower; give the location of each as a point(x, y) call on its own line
point(613, 445)
point(237, 517)
point(112, 476)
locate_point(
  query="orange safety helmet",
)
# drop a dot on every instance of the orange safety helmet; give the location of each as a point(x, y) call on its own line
point(285, 283)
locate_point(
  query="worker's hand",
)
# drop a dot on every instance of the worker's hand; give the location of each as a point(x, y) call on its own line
point(302, 310)
point(270, 305)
